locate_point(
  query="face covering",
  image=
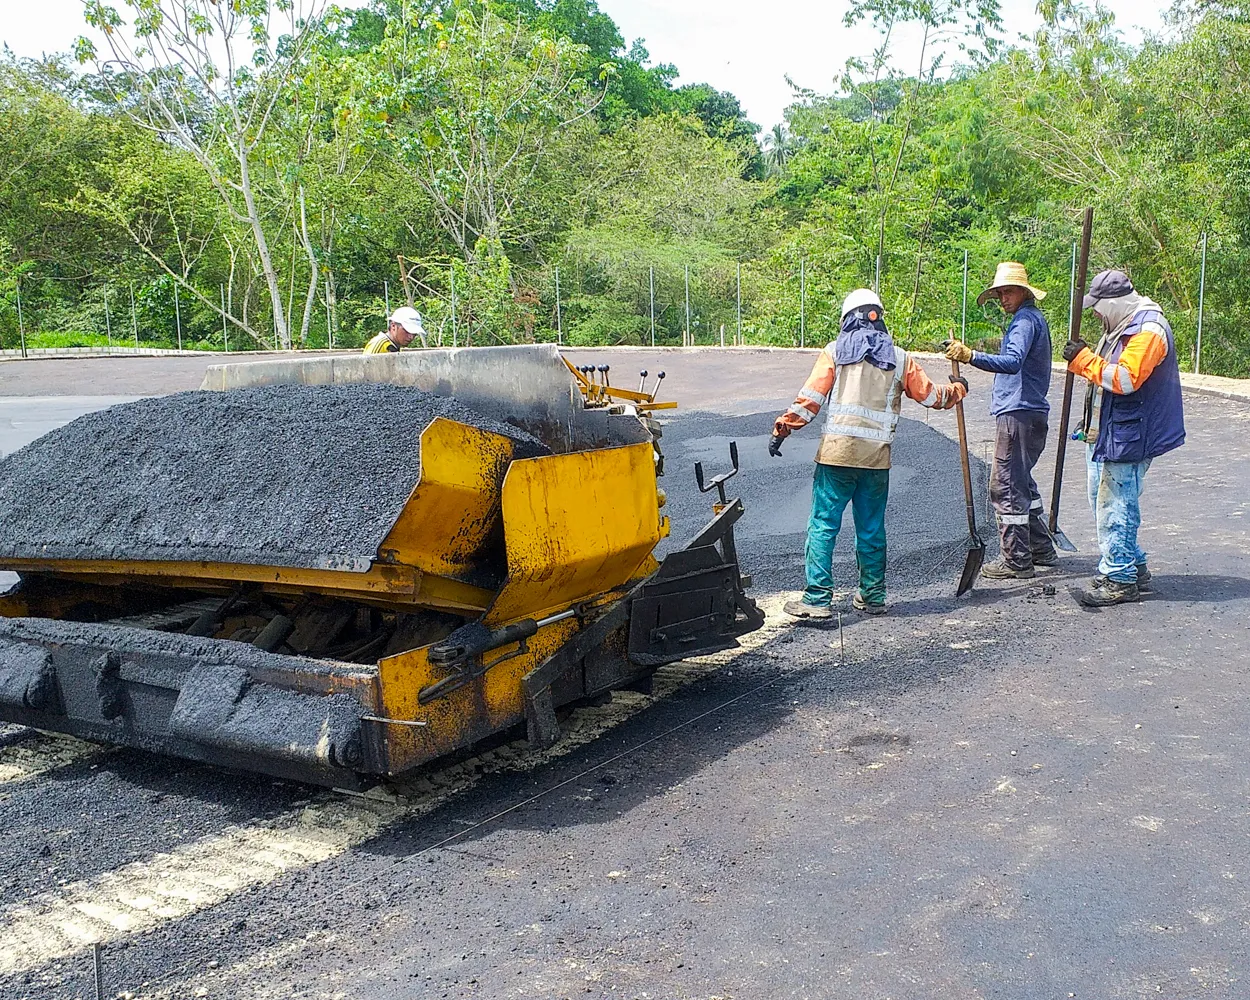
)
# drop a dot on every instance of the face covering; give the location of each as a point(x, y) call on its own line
point(864, 338)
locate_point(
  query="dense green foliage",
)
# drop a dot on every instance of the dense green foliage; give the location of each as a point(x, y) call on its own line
point(474, 155)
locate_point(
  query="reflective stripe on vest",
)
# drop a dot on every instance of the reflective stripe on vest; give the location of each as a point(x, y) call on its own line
point(886, 421)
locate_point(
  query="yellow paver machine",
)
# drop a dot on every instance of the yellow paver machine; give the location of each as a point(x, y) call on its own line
point(338, 569)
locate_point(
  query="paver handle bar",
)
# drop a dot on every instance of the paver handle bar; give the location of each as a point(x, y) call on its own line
point(1074, 333)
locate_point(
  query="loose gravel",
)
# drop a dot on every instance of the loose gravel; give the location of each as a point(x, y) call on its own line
point(291, 475)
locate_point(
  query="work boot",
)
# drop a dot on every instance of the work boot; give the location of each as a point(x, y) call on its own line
point(801, 609)
point(1143, 580)
point(1109, 593)
point(999, 570)
point(859, 604)
point(1047, 559)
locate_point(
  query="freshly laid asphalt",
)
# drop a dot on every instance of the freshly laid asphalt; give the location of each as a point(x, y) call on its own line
point(1004, 796)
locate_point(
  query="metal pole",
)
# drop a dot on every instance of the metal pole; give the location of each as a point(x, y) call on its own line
point(739, 340)
point(98, 965)
point(689, 336)
point(21, 326)
point(225, 334)
point(178, 316)
point(876, 285)
point(108, 324)
point(963, 323)
point(722, 335)
point(134, 316)
point(329, 332)
point(559, 321)
point(651, 282)
point(386, 298)
point(453, 305)
point(330, 316)
point(1202, 289)
point(802, 302)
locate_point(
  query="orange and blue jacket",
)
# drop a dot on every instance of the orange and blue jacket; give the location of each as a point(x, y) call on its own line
point(862, 405)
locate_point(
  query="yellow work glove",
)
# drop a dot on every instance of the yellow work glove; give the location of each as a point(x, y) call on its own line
point(958, 351)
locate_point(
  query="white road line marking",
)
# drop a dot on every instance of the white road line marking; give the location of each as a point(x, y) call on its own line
point(204, 873)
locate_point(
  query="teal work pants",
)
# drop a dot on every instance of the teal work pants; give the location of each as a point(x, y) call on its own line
point(866, 490)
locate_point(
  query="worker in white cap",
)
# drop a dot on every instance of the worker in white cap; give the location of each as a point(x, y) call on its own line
point(859, 380)
point(402, 329)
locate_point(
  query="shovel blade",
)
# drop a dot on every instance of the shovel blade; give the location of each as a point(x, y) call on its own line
point(1062, 540)
point(972, 566)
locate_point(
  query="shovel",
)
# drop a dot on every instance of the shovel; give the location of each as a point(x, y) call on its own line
point(976, 547)
point(1074, 333)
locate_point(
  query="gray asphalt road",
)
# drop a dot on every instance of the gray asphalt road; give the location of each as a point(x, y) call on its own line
point(1001, 797)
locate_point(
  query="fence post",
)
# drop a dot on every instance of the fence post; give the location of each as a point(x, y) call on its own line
point(1202, 289)
point(689, 337)
point(651, 284)
point(453, 305)
point(225, 334)
point(802, 302)
point(963, 321)
point(21, 324)
point(177, 316)
point(722, 335)
point(559, 321)
point(739, 340)
point(330, 311)
point(108, 325)
point(134, 316)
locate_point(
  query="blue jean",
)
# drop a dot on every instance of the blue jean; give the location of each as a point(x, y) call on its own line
point(866, 490)
point(1114, 492)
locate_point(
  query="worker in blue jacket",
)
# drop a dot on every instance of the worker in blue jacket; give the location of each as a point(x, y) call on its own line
point(1019, 405)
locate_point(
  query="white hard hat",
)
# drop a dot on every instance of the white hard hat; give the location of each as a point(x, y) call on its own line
point(860, 297)
point(409, 319)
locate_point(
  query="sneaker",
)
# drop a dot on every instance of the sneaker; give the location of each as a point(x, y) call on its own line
point(801, 609)
point(1109, 593)
point(1143, 580)
point(1047, 559)
point(859, 604)
point(999, 570)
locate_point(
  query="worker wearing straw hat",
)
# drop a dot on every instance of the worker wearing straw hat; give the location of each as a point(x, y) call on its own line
point(1020, 407)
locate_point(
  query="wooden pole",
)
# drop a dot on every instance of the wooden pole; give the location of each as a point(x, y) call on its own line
point(1074, 333)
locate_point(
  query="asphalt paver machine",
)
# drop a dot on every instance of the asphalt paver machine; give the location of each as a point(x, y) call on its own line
point(338, 569)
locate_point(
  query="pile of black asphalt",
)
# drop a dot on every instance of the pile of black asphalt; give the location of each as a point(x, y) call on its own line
point(926, 520)
point(284, 475)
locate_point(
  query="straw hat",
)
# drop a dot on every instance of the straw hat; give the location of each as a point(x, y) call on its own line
point(1009, 273)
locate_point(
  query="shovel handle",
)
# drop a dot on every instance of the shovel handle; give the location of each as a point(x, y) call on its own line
point(963, 459)
point(1074, 333)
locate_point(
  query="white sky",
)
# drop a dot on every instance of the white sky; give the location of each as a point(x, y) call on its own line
point(736, 45)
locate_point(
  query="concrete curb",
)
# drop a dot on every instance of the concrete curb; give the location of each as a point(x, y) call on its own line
point(80, 353)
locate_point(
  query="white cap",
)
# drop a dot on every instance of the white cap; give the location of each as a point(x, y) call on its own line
point(860, 297)
point(409, 319)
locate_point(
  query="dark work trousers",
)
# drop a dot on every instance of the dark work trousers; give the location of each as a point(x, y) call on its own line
point(1017, 446)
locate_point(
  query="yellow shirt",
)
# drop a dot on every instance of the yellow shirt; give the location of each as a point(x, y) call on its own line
point(381, 344)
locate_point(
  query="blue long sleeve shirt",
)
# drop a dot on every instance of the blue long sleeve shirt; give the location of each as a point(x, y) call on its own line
point(1022, 368)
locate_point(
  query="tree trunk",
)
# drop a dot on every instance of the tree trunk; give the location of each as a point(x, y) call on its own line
point(280, 327)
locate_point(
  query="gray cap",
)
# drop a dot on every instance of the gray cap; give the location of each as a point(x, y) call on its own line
point(1107, 285)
